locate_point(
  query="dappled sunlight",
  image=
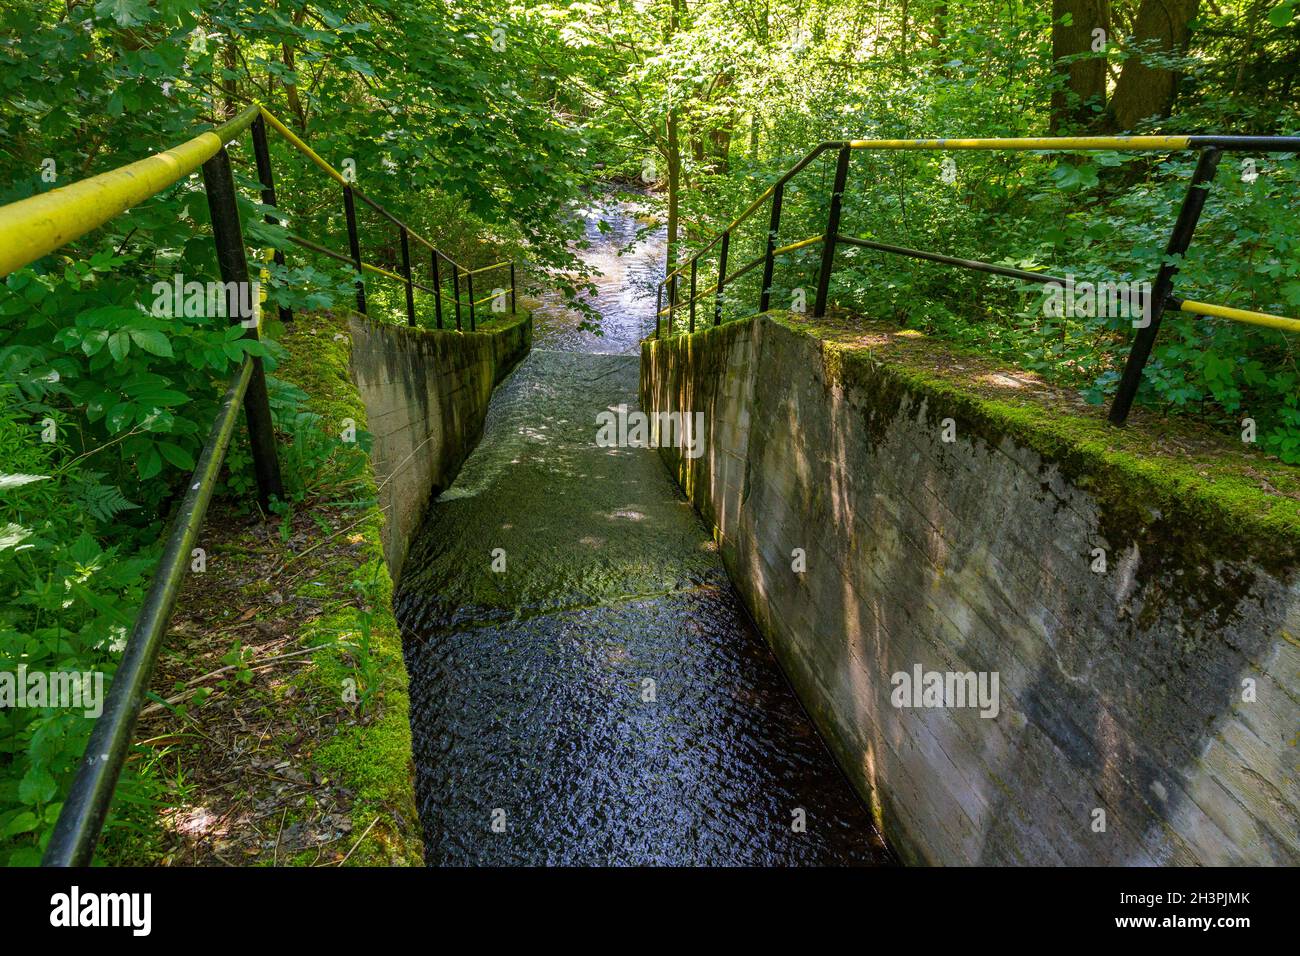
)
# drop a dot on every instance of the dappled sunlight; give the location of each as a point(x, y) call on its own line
point(917, 558)
point(626, 514)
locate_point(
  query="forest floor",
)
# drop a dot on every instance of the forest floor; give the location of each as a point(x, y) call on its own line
point(284, 737)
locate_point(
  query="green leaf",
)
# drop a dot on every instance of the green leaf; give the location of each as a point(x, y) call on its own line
point(119, 417)
point(84, 550)
point(37, 786)
point(25, 856)
point(177, 455)
point(24, 822)
point(155, 343)
point(149, 464)
point(1282, 14)
point(127, 13)
point(119, 345)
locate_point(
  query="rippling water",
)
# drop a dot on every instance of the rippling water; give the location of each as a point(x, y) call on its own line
point(603, 699)
point(625, 299)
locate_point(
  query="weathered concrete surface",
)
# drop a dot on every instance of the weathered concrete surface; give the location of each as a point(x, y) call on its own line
point(426, 394)
point(1120, 691)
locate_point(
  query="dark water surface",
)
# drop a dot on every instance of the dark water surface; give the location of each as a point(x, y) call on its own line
point(531, 687)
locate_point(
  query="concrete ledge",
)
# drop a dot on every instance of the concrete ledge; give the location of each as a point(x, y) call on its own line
point(955, 516)
point(426, 394)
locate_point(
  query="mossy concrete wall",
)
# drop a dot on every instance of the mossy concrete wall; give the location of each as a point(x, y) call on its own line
point(426, 394)
point(1155, 697)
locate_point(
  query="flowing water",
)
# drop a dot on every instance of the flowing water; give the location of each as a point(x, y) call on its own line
point(585, 685)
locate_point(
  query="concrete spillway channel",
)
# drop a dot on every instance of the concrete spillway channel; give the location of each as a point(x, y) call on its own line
point(585, 685)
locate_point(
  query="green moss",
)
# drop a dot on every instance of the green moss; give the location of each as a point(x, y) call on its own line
point(372, 758)
point(1242, 503)
point(1202, 509)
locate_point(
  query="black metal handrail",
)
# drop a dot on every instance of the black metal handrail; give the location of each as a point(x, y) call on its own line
point(351, 193)
point(1211, 150)
point(34, 227)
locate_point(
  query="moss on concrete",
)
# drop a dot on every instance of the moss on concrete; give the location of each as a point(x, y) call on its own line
point(372, 759)
point(1198, 506)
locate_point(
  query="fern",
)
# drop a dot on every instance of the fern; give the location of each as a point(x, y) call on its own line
point(102, 502)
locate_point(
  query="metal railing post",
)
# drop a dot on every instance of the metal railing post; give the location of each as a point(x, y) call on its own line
point(769, 262)
point(406, 274)
point(722, 277)
point(469, 291)
point(437, 290)
point(513, 307)
point(354, 246)
point(695, 263)
point(262, 154)
point(1179, 240)
point(672, 303)
point(228, 237)
point(455, 290)
point(832, 231)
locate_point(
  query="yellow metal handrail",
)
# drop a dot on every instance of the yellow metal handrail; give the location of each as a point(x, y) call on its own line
point(38, 225)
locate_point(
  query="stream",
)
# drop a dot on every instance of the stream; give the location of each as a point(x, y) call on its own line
point(586, 687)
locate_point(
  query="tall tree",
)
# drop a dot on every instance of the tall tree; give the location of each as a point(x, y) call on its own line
point(1074, 26)
point(1146, 84)
point(674, 151)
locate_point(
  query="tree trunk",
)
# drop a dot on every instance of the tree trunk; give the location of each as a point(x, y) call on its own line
point(1253, 14)
point(1143, 90)
point(674, 159)
point(1085, 79)
point(940, 26)
point(720, 137)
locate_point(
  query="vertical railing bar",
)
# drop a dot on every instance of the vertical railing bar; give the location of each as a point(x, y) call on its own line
point(469, 291)
point(406, 274)
point(672, 306)
point(262, 155)
point(228, 237)
point(455, 291)
point(513, 306)
point(769, 261)
point(354, 246)
point(694, 267)
point(437, 290)
point(1179, 240)
point(722, 277)
point(659, 307)
point(832, 231)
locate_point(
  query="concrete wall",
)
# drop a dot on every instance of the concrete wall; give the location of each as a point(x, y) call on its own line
point(426, 394)
point(1119, 691)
